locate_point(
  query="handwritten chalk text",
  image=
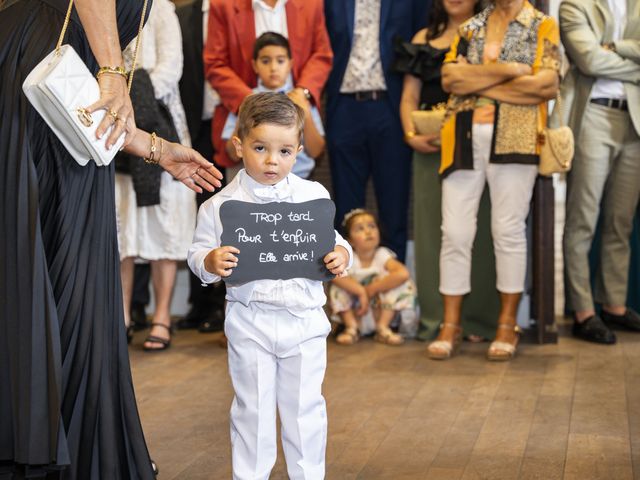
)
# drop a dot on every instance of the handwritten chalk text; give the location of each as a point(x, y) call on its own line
point(244, 238)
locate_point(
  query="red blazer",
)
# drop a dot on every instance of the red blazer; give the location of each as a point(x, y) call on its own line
point(229, 51)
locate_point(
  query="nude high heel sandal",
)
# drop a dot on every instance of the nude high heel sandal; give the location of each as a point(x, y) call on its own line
point(503, 351)
point(444, 349)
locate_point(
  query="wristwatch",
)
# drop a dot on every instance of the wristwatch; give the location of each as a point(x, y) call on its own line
point(409, 135)
point(306, 92)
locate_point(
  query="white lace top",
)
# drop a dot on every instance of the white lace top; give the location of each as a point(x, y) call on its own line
point(161, 55)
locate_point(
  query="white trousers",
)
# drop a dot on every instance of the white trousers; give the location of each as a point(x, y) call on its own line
point(277, 360)
point(510, 188)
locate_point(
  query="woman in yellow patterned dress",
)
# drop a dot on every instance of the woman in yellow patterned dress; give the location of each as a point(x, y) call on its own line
point(501, 70)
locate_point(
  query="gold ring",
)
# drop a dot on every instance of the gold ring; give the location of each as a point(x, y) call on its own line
point(114, 115)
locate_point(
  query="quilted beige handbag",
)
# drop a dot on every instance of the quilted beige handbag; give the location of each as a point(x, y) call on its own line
point(556, 148)
point(59, 87)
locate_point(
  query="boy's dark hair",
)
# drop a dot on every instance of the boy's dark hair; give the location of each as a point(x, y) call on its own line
point(269, 107)
point(268, 39)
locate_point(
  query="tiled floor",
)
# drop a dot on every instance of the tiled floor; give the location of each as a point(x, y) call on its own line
point(570, 410)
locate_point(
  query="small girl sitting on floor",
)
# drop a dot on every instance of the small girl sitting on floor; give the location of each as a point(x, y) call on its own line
point(376, 280)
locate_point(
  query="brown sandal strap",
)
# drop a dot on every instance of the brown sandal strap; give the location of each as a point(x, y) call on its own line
point(154, 339)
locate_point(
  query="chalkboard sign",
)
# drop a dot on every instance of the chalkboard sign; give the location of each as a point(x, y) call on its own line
point(279, 240)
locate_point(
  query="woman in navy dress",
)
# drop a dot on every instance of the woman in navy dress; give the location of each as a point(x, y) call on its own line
point(67, 405)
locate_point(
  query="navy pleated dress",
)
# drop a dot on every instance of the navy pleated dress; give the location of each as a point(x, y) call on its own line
point(67, 405)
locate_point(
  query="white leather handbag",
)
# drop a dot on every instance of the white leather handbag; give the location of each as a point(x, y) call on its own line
point(59, 88)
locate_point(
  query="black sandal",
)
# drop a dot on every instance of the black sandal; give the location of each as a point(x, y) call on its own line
point(166, 343)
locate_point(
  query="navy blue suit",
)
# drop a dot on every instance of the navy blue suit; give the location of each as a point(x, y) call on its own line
point(365, 138)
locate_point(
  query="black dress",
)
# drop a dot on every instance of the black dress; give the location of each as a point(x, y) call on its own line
point(67, 406)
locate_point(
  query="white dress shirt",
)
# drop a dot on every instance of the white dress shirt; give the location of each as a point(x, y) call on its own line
point(270, 19)
point(294, 295)
point(604, 87)
point(211, 98)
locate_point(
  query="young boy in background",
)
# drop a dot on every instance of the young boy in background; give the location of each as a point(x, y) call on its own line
point(272, 63)
point(276, 329)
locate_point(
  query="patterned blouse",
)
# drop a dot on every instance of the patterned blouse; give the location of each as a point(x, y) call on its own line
point(531, 38)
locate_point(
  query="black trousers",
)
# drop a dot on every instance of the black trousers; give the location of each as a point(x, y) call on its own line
point(209, 298)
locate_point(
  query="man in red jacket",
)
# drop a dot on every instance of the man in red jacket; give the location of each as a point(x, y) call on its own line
point(233, 28)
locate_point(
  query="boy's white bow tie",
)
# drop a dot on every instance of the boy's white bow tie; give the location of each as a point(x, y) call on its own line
point(273, 193)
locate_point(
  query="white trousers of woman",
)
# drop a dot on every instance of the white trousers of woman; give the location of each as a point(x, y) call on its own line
point(510, 188)
point(277, 360)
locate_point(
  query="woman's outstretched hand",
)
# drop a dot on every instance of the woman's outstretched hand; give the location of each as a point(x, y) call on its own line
point(188, 166)
point(114, 98)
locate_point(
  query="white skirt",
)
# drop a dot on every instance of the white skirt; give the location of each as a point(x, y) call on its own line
point(159, 232)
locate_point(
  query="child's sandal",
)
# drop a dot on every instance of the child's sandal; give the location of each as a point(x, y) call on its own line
point(348, 336)
point(388, 337)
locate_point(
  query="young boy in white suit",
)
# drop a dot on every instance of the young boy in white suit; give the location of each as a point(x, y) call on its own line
point(276, 329)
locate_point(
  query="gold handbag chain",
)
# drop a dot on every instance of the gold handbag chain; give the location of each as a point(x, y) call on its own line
point(65, 25)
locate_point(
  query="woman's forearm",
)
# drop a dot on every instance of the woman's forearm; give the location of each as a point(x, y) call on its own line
point(98, 18)
point(409, 102)
point(140, 146)
point(465, 79)
point(526, 90)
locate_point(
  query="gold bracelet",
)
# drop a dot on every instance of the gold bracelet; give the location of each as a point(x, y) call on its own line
point(161, 149)
point(409, 135)
point(151, 158)
point(114, 70)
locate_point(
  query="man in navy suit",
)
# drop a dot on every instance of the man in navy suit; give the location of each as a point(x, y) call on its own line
point(364, 133)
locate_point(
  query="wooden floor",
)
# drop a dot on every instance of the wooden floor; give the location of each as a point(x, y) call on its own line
point(568, 411)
